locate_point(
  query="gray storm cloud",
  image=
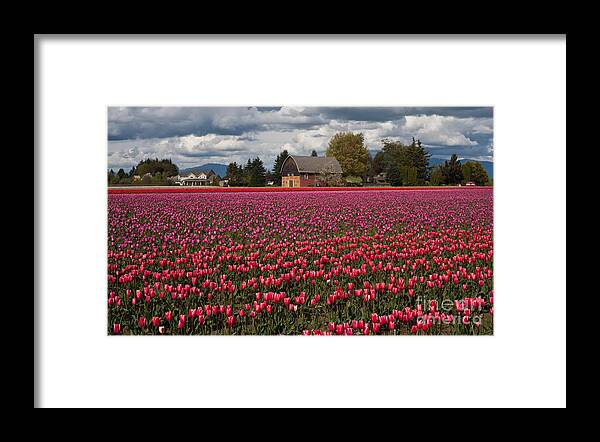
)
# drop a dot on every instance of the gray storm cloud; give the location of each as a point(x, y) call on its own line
point(193, 135)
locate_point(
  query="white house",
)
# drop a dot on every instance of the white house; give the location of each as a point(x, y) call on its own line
point(200, 178)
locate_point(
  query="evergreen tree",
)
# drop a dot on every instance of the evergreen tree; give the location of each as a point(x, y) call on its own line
point(256, 172)
point(419, 159)
point(394, 176)
point(234, 174)
point(277, 167)
point(314, 153)
point(110, 176)
point(412, 161)
point(452, 171)
point(247, 173)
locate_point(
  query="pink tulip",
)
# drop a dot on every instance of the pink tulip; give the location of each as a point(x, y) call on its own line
point(284, 248)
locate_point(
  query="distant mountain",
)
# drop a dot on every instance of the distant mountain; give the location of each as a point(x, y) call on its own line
point(487, 165)
point(219, 169)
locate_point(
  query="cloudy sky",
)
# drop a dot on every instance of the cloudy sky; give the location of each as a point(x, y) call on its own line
point(193, 136)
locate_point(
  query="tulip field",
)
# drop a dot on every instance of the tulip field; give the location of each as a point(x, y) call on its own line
point(314, 262)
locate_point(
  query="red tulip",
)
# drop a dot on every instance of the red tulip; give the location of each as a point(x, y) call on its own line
point(116, 328)
point(142, 322)
point(255, 246)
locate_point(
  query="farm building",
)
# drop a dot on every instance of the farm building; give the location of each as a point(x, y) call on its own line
point(200, 178)
point(301, 171)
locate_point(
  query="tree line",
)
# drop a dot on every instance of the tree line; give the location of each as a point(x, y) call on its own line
point(150, 172)
point(253, 174)
point(396, 163)
point(400, 164)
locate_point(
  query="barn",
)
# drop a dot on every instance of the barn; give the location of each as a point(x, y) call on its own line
point(302, 171)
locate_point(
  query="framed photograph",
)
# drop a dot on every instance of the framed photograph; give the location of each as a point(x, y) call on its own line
point(300, 221)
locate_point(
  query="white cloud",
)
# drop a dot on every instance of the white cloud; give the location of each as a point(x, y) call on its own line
point(446, 130)
point(299, 130)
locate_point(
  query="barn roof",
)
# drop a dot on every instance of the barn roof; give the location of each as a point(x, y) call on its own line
point(316, 164)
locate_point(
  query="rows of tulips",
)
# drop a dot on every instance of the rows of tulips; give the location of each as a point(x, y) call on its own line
point(415, 262)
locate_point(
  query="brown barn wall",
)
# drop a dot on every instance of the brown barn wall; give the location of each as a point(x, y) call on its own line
point(311, 181)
